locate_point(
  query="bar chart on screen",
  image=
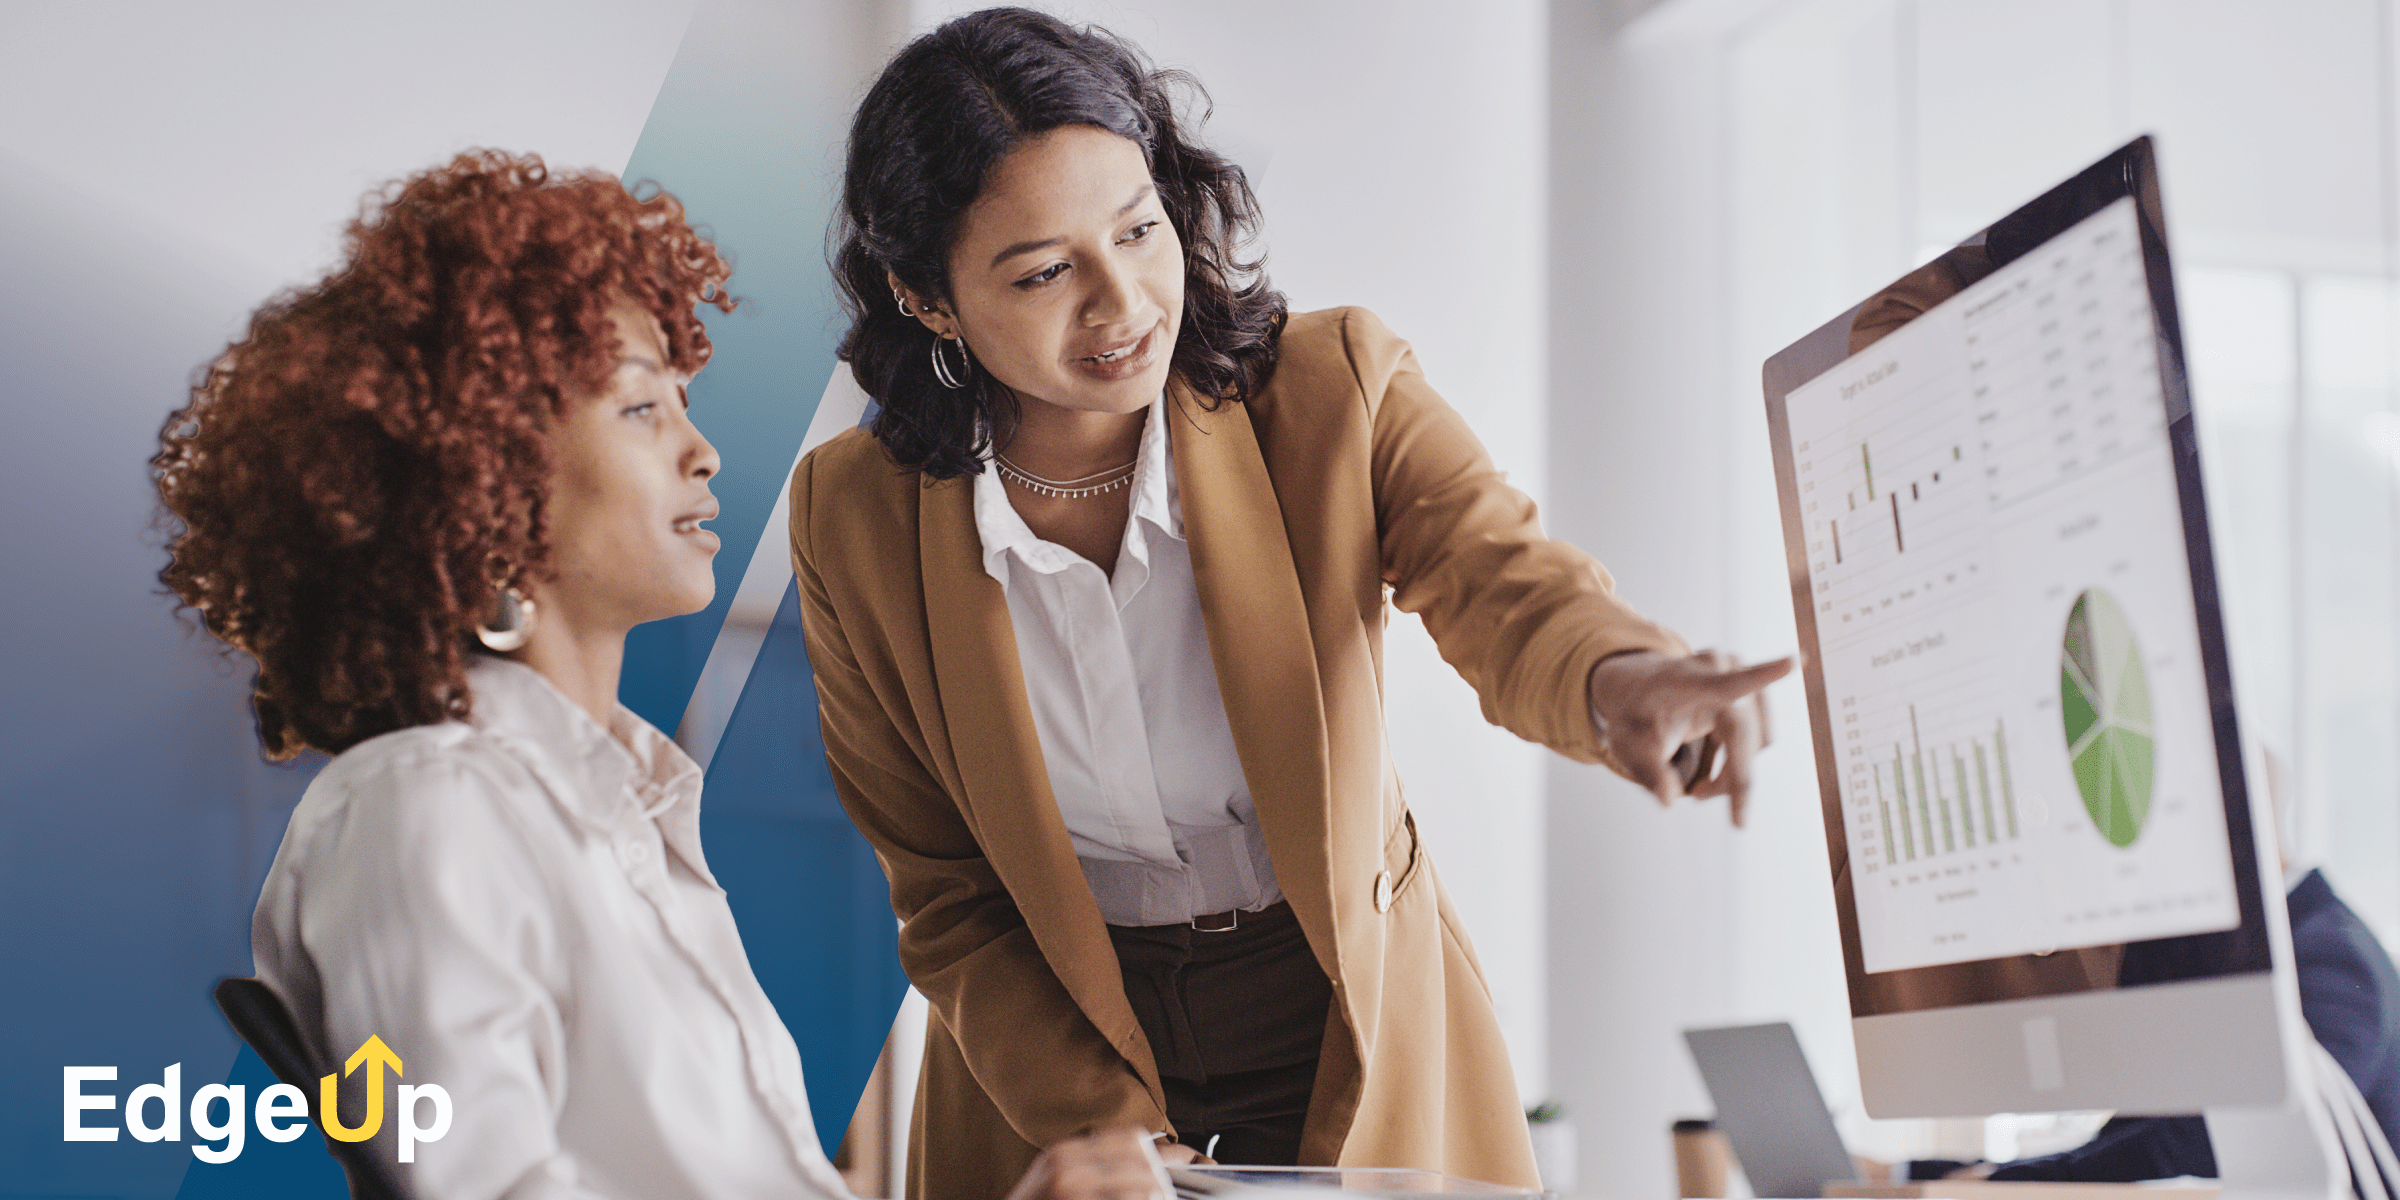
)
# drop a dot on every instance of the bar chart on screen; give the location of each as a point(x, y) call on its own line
point(1930, 778)
point(1976, 804)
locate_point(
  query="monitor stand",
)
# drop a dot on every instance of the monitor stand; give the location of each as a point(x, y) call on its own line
point(2286, 1153)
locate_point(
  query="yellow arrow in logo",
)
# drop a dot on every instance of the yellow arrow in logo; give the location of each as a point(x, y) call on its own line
point(375, 1054)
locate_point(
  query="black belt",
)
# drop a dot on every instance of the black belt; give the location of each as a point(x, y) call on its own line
point(1231, 919)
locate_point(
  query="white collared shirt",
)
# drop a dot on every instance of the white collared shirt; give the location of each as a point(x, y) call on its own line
point(519, 908)
point(1125, 702)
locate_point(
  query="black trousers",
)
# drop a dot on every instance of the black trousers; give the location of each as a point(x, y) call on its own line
point(1235, 1020)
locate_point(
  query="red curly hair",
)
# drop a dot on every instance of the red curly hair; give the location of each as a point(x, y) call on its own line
point(352, 478)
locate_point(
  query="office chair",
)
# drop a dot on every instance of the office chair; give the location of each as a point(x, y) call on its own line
point(258, 1014)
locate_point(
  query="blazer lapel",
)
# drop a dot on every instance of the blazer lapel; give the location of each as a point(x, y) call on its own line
point(1258, 634)
point(998, 759)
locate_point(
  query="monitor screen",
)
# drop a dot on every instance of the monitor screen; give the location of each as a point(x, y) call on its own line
point(2015, 663)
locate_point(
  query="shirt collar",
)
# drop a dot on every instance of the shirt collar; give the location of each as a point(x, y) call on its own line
point(1156, 500)
point(606, 779)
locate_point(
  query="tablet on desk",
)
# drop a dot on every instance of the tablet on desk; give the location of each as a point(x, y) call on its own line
point(1232, 1183)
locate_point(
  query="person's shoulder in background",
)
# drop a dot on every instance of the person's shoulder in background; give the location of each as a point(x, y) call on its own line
point(2350, 993)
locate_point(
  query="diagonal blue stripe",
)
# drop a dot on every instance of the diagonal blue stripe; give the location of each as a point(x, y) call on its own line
point(815, 912)
point(743, 137)
point(747, 131)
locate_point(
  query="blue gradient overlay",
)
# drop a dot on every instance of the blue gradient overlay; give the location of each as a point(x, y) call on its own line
point(136, 817)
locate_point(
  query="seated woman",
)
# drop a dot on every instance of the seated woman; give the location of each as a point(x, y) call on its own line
point(429, 495)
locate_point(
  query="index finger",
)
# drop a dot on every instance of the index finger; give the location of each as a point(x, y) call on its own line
point(1735, 684)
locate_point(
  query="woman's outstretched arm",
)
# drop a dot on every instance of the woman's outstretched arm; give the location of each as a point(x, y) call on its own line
point(1534, 624)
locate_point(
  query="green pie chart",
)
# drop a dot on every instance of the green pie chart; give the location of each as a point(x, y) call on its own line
point(2104, 695)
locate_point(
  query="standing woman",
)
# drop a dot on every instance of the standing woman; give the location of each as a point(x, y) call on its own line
point(1095, 604)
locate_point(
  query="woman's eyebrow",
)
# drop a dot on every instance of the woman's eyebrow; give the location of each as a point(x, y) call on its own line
point(1011, 251)
point(1027, 247)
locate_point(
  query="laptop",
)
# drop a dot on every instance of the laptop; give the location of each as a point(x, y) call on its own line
point(1770, 1110)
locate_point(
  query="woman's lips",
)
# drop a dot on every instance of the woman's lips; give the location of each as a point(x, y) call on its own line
point(1123, 361)
point(688, 528)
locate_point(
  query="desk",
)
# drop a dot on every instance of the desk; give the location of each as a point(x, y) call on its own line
point(1987, 1189)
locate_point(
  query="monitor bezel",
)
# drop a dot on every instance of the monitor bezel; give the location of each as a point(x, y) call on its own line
point(2131, 171)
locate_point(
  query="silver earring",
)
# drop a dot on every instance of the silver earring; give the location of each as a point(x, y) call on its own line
point(902, 301)
point(941, 366)
point(510, 624)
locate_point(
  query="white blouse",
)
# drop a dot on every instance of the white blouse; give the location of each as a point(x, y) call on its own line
point(1125, 703)
point(519, 908)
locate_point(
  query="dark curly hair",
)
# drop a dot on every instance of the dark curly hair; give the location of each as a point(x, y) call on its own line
point(943, 114)
point(352, 477)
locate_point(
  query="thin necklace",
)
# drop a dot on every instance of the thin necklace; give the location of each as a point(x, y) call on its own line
point(1067, 489)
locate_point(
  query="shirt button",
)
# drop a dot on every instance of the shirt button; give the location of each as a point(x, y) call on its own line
point(1383, 891)
point(636, 853)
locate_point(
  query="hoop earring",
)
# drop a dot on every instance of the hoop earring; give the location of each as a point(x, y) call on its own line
point(902, 301)
point(510, 624)
point(941, 367)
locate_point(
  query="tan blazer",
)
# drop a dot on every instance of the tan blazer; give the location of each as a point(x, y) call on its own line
point(1345, 475)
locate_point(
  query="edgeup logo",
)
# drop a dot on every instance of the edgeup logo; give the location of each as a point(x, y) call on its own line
point(282, 1113)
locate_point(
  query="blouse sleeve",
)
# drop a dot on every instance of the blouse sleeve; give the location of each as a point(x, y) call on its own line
point(963, 942)
point(1521, 616)
point(422, 914)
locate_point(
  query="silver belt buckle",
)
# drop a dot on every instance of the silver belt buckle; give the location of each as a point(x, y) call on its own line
point(1231, 917)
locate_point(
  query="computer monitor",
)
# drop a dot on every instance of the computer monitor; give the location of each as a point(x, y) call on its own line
point(2055, 886)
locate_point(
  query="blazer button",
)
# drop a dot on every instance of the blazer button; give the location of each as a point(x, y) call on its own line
point(1383, 891)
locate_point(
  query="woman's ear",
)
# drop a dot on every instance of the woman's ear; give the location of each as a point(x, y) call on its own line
point(913, 305)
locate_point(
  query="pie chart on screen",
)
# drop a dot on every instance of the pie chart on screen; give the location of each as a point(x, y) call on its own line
point(2104, 697)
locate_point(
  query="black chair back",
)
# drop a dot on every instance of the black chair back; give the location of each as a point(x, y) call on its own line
point(258, 1014)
